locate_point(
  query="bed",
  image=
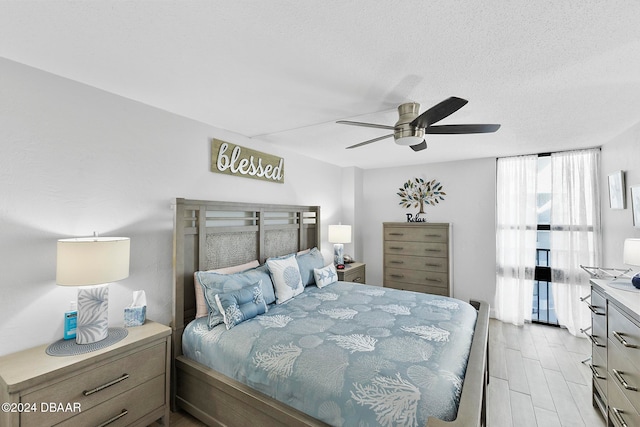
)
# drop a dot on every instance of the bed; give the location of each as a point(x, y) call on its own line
point(210, 235)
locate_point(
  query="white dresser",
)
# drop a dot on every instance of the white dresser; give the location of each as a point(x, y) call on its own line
point(615, 337)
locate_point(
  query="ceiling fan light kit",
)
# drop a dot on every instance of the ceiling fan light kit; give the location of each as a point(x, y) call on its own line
point(411, 126)
point(404, 133)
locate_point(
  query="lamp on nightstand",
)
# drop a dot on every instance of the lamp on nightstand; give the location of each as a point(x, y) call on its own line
point(338, 235)
point(632, 257)
point(92, 263)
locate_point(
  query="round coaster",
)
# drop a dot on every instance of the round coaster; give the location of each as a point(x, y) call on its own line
point(70, 348)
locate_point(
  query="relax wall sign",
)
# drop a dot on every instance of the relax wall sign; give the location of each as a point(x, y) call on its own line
point(233, 159)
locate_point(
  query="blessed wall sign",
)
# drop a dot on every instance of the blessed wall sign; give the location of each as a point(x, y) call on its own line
point(233, 159)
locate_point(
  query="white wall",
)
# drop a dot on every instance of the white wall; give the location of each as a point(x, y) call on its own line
point(622, 153)
point(469, 206)
point(74, 160)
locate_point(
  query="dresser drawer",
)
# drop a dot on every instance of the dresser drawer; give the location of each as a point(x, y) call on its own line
point(418, 277)
point(416, 249)
point(92, 387)
point(598, 335)
point(600, 374)
point(416, 263)
point(415, 234)
point(353, 274)
point(624, 374)
point(425, 289)
point(121, 410)
point(625, 335)
point(621, 411)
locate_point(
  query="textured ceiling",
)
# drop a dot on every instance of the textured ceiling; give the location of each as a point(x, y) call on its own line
point(556, 74)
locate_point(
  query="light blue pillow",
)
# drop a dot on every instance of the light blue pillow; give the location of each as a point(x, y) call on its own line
point(216, 283)
point(325, 276)
point(307, 262)
point(241, 305)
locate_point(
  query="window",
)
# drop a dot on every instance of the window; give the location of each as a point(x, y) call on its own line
point(543, 309)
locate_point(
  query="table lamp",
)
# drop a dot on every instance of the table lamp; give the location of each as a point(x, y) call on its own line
point(338, 235)
point(632, 257)
point(91, 263)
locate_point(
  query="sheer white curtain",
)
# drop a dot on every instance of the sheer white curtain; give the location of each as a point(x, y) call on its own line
point(575, 233)
point(516, 228)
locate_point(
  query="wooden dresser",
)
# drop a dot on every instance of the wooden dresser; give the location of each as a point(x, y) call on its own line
point(417, 257)
point(125, 384)
point(615, 364)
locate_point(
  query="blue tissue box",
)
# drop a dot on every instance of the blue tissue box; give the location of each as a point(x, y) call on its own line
point(134, 316)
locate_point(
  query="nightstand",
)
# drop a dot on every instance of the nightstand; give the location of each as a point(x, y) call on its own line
point(124, 384)
point(353, 272)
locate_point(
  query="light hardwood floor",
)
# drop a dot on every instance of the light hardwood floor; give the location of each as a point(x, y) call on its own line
point(537, 379)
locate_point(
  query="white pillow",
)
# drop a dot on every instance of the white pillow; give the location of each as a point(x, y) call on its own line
point(325, 276)
point(285, 274)
point(202, 309)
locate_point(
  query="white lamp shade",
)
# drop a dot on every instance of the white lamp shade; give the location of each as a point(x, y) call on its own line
point(92, 260)
point(632, 251)
point(340, 234)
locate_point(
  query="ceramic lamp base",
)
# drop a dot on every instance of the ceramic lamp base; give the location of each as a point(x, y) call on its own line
point(338, 254)
point(93, 308)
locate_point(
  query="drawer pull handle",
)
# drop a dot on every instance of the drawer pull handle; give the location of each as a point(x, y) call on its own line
point(431, 235)
point(594, 341)
point(398, 276)
point(397, 262)
point(433, 265)
point(103, 386)
point(398, 248)
point(114, 419)
point(428, 279)
point(621, 380)
point(624, 342)
point(594, 310)
point(595, 373)
point(618, 414)
point(358, 279)
point(396, 234)
point(432, 250)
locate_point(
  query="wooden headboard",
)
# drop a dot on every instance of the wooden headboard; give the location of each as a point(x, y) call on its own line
point(209, 235)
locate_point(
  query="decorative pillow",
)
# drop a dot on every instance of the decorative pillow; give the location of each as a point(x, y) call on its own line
point(307, 263)
point(201, 304)
point(241, 305)
point(286, 277)
point(215, 283)
point(325, 276)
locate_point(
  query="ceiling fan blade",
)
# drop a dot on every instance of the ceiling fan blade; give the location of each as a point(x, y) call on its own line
point(419, 147)
point(369, 141)
point(461, 129)
point(439, 112)
point(368, 125)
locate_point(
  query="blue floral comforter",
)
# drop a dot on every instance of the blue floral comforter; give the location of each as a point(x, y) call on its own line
point(349, 354)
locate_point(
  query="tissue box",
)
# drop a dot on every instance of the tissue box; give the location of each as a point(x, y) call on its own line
point(134, 316)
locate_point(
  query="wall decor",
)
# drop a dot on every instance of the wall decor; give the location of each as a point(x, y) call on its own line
point(233, 159)
point(416, 192)
point(617, 190)
point(635, 205)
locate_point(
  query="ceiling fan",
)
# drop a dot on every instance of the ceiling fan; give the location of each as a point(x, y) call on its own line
point(412, 126)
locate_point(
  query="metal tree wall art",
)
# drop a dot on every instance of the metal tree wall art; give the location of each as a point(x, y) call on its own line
point(416, 192)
